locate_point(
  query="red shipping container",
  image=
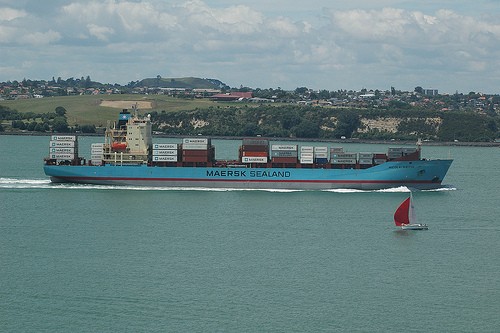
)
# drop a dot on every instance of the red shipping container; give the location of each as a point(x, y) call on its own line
point(200, 153)
point(284, 160)
point(194, 159)
point(254, 148)
point(255, 153)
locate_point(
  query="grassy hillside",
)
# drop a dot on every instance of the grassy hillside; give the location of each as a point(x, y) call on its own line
point(86, 110)
point(184, 82)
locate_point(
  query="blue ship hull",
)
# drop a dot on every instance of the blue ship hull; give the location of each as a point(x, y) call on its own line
point(419, 174)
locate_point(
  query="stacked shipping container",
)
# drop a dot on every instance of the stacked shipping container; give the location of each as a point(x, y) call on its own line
point(286, 154)
point(63, 147)
point(197, 150)
point(96, 153)
point(254, 151)
point(165, 152)
point(306, 155)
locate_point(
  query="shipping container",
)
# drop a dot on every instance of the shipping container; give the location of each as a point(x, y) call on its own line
point(307, 160)
point(62, 144)
point(255, 142)
point(336, 150)
point(96, 157)
point(379, 160)
point(321, 150)
point(62, 150)
point(284, 153)
point(196, 141)
point(344, 161)
point(306, 149)
point(254, 148)
point(97, 151)
point(320, 155)
point(306, 155)
point(63, 138)
point(194, 146)
point(284, 147)
point(365, 155)
point(249, 159)
point(201, 153)
point(288, 160)
point(97, 145)
point(170, 152)
point(194, 159)
point(96, 162)
point(165, 146)
point(365, 161)
point(57, 156)
point(320, 160)
point(164, 158)
point(255, 153)
point(345, 155)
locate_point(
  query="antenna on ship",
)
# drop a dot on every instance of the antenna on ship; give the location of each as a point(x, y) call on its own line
point(134, 107)
point(419, 147)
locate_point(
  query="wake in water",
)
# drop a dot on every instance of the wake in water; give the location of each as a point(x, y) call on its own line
point(13, 183)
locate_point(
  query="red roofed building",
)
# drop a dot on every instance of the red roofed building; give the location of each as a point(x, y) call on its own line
point(232, 96)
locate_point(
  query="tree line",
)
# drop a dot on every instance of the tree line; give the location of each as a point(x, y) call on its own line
point(41, 122)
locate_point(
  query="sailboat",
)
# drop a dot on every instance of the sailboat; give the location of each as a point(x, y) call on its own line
point(405, 217)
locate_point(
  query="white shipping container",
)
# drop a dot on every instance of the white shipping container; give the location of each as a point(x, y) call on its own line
point(306, 155)
point(164, 158)
point(165, 146)
point(345, 155)
point(321, 155)
point(63, 138)
point(307, 160)
point(365, 161)
point(97, 151)
point(365, 155)
point(344, 161)
point(284, 147)
point(97, 145)
point(334, 150)
point(164, 152)
point(306, 149)
point(62, 144)
point(96, 162)
point(96, 157)
point(321, 149)
point(253, 159)
point(194, 146)
point(203, 141)
point(62, 150)
point(283, 153)
point(57, 156)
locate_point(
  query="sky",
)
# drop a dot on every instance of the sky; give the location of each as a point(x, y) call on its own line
point(449, 45)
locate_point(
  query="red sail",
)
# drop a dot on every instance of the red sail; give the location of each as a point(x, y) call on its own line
point(401, 214)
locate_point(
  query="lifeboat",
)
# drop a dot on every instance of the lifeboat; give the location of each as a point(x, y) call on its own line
point(119, 146)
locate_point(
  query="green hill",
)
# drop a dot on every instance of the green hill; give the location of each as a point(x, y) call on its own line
point(184, 82)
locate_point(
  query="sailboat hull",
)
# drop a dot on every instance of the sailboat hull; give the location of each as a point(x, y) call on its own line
point(415, 227)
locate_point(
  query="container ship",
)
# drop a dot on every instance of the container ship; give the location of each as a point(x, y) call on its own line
point(128, 156)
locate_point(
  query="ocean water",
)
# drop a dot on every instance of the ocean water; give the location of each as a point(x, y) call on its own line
point(78, 258)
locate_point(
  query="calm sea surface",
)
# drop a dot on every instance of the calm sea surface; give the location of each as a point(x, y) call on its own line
point(77, 258)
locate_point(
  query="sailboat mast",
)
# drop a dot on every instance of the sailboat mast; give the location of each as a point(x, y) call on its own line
point(411, 211)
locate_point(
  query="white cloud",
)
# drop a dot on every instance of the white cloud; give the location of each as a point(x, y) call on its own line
point(41, 38)
point(231, 20)
point(10, 14)
point(99, 32)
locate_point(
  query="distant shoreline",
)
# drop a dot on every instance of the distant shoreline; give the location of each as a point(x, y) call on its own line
point(364, 141)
